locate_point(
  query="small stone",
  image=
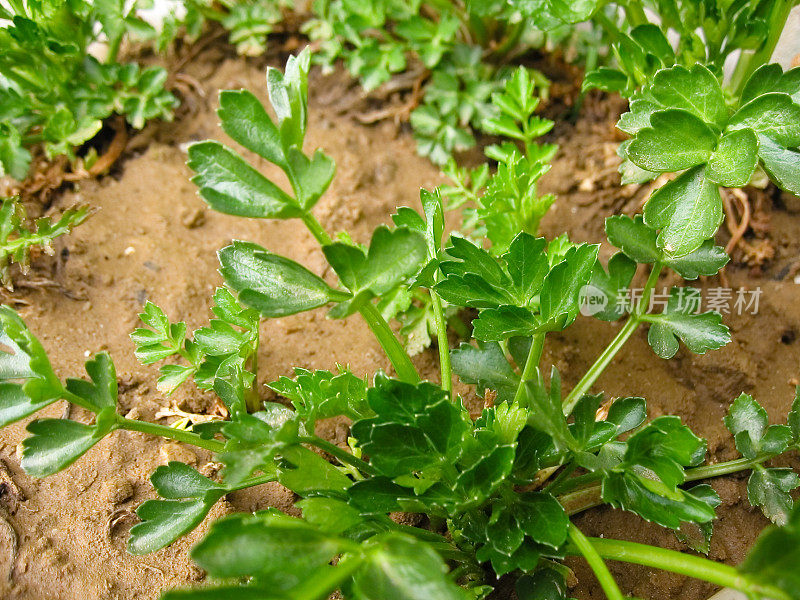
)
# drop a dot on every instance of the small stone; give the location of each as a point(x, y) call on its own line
point(129, 250)
point(192, 219)
point(116, 491)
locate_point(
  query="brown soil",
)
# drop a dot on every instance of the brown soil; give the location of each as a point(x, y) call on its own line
point(152, 239)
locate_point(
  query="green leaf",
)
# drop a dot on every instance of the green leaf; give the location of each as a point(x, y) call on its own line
point(747, 421)
point(771, 78)
point(769, 489)
point(308, 474)
point(57, 443)
point(14, 159)
point(542, 518)
point(695, 90)
point(22, 357)
point(277, 549)
point(560, 295)
point(773, 115)
point(606, 79)
point(321, 395)
point(773, 559)
point(793, 419)
point(233, 187)
point(272, 284)
point(783, 165)
point(646, 479)
point(189, 497)
point(101, 391)
point(311, 177)
point(486, 367)
point(546, 409)
point(708, 259)
point(687, 210)
point(393, 256)
point(700, 332)
point(698, 535)
point(665, 446)
point(675, 141)
point(416, 427)
point(403, 568)
point(633, 237)
point(604, 296)
point(244, 118)
point(733, 162)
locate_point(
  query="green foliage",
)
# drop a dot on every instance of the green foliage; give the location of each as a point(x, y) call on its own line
point(757, 440)
point(522, 293)
point(16, 240)
point(498, 490)
point(229, 340)
point(54, 92)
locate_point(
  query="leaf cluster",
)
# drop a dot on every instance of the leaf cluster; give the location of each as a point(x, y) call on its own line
point(17, 239)
point(53, 91)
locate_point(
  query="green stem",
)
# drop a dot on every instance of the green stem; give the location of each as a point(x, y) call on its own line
point(316, 229)
point(594, 372)
point(444, 344)
point(342, 455)
point(261, 479)
point(389, 342)
point(179, 435)
point(634, 13)
point(531, 364)
point(748, 63)
point(685, 564)
point(723, 468)
point(595, 561)
point(252, 398)
point(554, 486)
point(113, 50)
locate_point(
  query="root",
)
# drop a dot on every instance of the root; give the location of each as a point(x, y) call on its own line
point(736, 227)
point(107, 160)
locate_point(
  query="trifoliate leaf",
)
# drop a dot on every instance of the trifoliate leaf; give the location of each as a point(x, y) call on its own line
point(393, 256)
point(321, 395)
point(747, 421)
point(700, 332)
point(416, 427)
point(188, 498)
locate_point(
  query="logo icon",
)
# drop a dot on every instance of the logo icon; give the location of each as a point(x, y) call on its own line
point(592, 300)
